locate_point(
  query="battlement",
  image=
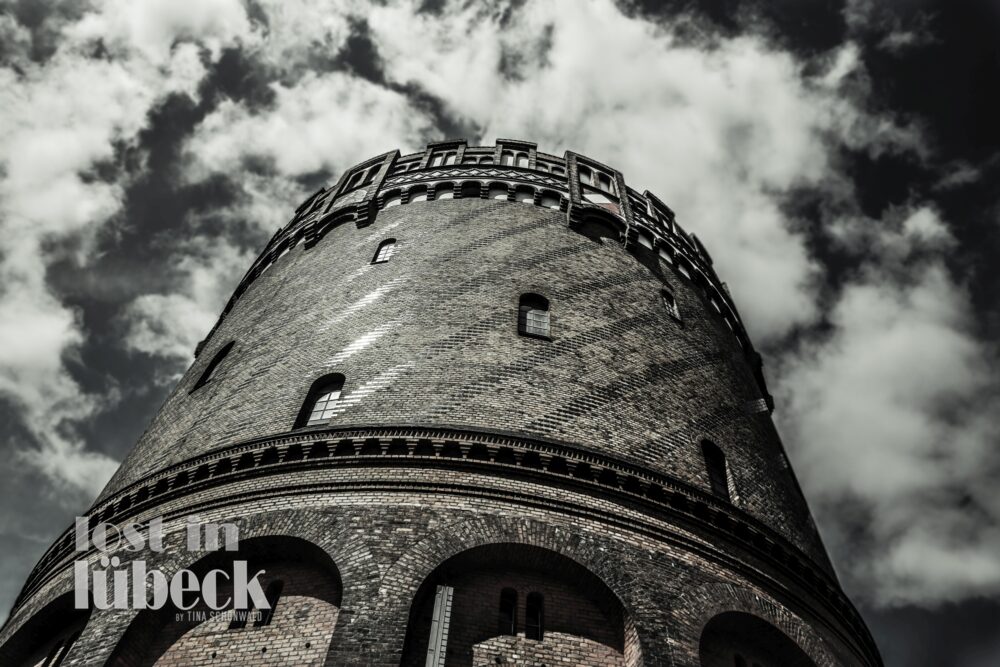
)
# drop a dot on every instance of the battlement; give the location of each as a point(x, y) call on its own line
point(577, 186)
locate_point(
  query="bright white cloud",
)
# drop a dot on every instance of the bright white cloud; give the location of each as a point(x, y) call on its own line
point(154, 27)
point(888, 416)
point(58, 119)
point(719, 131)
point(327, 121)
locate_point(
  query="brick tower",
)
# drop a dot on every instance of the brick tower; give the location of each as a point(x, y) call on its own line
point(470, 406)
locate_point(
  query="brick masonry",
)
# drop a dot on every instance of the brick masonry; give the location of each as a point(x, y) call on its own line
point(462, 435)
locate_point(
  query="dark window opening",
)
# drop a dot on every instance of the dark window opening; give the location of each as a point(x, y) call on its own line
point(715, 461)
point(533, 316)
point(213, 366)
point(471, 190)
point(508, 612)
point(533, 616)
point(598, 230)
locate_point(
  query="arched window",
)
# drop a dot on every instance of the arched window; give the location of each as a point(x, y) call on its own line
point(533, 316)
point(417, 193)
point(386, 249)
point(670, 303)
point(321, 400)
point(392, 199)
point(508, 612)
point(507, 158)
point(273, 593)
point(550, 199)
point(444, 191)
point(471, 190)
point(533, 616)
point(213, 365)
point(498, 191)
point(524, 194)
point(715, 462)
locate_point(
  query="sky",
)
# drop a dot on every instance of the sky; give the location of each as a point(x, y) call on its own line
point(837, 157)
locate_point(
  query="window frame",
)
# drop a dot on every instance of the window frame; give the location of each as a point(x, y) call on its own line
point(717, 469)
point(384, 251)
point(534, 624)
point(528, 303)
point(322, 386)
point(507, 616)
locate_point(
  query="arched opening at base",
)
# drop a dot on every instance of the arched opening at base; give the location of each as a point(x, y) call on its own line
point(738, 639)
point(48, 636)
point(303, 589)
point(517, 605)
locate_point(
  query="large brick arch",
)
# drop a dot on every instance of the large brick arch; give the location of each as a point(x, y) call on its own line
point(341, 544)
point(598, 555)
point(50, 634)
point(709, 601)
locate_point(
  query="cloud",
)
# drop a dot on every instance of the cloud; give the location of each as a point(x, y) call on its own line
point(61, 119)
point(886, 396)
point(888, 418)
point(721, 130)
point(153, 28)
point(323, 122)
point(171, 325)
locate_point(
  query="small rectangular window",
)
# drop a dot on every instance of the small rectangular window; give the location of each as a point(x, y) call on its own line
point(670, 303)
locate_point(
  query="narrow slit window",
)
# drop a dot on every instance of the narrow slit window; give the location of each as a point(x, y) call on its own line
point(273, 594)
point(213, 365)
point(508, 612)
point(386, 249)
point(534, 616)
point(715, 462)
point(321, 401)
point(533, 316)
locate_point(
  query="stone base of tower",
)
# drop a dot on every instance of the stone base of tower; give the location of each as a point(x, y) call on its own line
point(361, 551)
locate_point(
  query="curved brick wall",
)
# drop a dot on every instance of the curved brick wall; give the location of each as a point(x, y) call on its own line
point(604, 422)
